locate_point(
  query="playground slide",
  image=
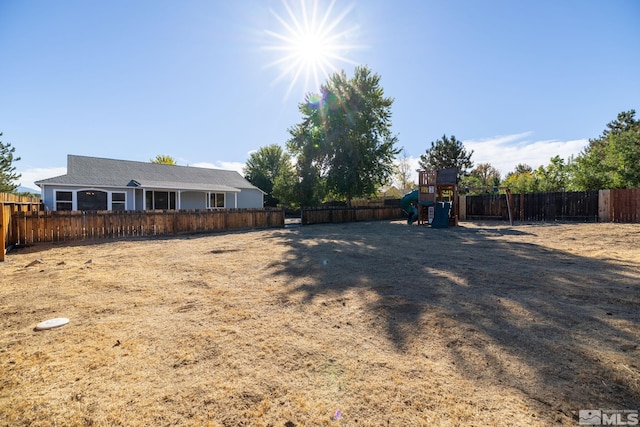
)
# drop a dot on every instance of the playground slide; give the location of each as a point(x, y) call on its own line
point(406, 203)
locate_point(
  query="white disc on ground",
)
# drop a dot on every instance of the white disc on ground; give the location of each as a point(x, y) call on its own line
point(52, 323)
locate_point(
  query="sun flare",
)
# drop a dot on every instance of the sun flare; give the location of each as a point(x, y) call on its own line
point(310, 44)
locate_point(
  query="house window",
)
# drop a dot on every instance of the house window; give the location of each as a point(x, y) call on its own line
point(216, 200)
point(92, 200)
point(117, 201)
point(64, 200)
point(161, 199)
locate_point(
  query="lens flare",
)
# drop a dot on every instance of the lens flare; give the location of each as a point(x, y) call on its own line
point(310, 43)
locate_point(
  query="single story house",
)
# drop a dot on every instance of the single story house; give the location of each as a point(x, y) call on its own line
point(93, 183)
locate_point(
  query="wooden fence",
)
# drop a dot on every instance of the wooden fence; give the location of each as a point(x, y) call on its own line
point(620, 205)
point(11, 204)
point(586, 206)
point(14, 198)
point(320, 215)
point(38, 226)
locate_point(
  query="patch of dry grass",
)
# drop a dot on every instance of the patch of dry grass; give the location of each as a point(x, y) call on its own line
point(482, 324)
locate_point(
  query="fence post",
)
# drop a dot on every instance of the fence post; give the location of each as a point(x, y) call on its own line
point(3, 231)
point(604, 205)
point(510, 205)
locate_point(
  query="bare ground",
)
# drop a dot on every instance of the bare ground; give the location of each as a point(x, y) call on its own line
point(389, 324)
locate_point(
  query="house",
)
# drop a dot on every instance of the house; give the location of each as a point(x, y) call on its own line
point(93, 183)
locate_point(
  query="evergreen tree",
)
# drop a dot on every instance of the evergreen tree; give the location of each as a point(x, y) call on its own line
point(8, 175)
point(447, 153)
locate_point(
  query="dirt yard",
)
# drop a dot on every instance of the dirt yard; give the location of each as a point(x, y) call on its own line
point(362, 324)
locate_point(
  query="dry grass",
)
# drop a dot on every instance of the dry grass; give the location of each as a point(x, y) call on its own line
point(483, 324)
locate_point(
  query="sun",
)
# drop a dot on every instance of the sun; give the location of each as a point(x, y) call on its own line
point(310, 44)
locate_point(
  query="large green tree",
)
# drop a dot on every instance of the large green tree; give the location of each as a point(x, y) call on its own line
point(344, 144)
point(611, 160)
point(447, 153)
point(8, 175)
point(263, 167)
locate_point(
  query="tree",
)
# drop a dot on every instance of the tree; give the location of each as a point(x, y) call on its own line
point(8, 174)
point(164, 159)
point(403, 173)
point(611, 160)
point(554, 177)
point(521, 180)
point(483, 175)
point(285, 187)
point(447, 153)
point(624, 153)
point(263, 167)
point(309, 188)
point(344, 145)
point(589, 170)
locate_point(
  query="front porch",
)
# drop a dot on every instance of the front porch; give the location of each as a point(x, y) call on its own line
point(154, 199)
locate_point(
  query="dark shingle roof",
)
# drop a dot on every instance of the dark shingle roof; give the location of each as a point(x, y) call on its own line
point(95, 171)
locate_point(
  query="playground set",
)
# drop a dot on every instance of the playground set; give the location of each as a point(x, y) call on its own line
point(435, 202)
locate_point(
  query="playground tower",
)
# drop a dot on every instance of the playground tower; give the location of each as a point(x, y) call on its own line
point(435, 202)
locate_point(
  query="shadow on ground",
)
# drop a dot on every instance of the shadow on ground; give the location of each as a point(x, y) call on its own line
point(556, 326)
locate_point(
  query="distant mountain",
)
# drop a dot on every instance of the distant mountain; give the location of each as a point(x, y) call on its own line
point(27, 190)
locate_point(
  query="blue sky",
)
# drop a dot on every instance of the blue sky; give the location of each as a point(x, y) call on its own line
point(515, 81)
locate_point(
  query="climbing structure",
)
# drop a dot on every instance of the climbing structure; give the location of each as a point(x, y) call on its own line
point(438, 197)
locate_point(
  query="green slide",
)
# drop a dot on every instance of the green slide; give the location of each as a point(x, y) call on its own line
point(407, 205)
